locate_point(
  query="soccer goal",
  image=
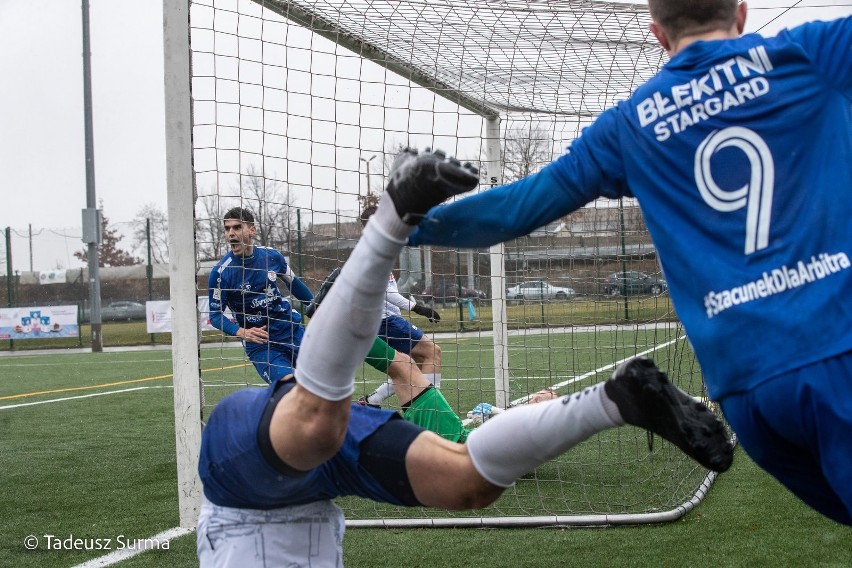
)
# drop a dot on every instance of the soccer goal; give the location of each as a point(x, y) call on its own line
point(295, 110)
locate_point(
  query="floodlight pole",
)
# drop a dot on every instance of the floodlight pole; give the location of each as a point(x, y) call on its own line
point(9, 300)
point(367, 165)
point(90, 213)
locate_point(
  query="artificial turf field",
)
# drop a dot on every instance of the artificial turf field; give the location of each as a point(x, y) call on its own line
point(88, 451)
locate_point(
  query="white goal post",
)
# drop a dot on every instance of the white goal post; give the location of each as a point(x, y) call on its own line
point(282, 106)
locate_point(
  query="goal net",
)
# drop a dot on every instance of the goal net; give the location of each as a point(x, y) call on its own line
point(297, 109)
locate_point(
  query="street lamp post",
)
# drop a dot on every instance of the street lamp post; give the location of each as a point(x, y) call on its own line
point(367, 165)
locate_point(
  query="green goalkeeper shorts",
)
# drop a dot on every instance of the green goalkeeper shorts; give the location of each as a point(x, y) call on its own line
point(380, 356)
point(430, 410)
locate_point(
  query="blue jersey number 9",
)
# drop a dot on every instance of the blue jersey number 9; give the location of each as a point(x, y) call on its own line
point(756, 195)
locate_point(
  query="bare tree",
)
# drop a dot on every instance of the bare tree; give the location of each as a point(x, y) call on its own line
point(159, 237)
point(526, 149)
point(270, 202)
point(109, 253)
point(389, 155)
point(209, 228)
point(272, 205)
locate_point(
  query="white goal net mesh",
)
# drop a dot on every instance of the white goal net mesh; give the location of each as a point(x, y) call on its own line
point(298, 108)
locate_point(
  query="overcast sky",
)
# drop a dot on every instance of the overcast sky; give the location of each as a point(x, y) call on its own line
point(42, 167)
point(42, 152)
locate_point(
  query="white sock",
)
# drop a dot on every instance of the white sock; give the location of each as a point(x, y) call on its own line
point(434, 378)
point(517, 441)
point(387, 217)
point(380, 394)
point(342, 332)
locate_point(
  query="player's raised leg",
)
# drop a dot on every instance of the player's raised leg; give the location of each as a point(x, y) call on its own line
point(515, 442)
point(309, 423)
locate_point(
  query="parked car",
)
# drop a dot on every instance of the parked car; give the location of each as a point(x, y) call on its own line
point(538, 290)
point(118, 311)
point(447, 291)
point(631, 283)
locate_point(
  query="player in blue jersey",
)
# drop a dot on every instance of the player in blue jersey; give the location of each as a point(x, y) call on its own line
point(246, 282)
point(739, 152)
point(273, 458)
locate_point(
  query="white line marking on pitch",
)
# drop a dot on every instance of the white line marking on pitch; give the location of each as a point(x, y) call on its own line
point(78, 397)
point(117, 556)
point(582, 377)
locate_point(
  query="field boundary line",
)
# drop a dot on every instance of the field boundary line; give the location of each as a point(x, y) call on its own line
point(608, 367)
point(117, 556)
point(36, 403)
point(116, 384)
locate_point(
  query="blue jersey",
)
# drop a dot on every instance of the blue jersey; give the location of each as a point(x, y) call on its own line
point(740, 154)
point(248, 286)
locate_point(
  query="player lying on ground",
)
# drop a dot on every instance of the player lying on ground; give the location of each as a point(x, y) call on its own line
point(402, 335)
point(424, 404)
point(272, 459)
point(421, 402)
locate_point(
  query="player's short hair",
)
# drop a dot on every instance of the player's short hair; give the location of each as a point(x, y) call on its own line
point(240, 214)
point(367, 213)
point(686, 17)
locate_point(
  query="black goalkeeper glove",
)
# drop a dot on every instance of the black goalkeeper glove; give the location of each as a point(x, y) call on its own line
point(324, 288)
point(427, 312)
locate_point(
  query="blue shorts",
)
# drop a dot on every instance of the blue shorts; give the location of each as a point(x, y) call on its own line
point(798, 427)
point(239, 468)
point(400, 333)
point(274, 361)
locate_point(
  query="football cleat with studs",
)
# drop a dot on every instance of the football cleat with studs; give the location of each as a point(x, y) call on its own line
point(422, 180)
point(645, 398)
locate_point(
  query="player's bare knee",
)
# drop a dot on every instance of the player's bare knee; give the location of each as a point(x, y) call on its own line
point(426, 352)
point(436, 354)
point(432, 457)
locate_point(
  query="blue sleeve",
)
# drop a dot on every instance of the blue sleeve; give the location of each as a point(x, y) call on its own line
point(514, 210)
point(300, 291)
point(829, 47)
point(217, 298)
point(296, 286)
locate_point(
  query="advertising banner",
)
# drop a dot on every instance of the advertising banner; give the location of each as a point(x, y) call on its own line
point(43, 322)
point(52, 277)
point(159, 315)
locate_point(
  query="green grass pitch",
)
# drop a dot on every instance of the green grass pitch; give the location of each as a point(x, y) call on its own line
point(88, 450)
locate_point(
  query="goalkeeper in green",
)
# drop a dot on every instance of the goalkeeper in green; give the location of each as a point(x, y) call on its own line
point(421, 402)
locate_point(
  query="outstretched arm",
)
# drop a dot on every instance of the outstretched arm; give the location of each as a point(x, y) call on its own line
point(297, 287)
point(300, 291)
point(394, 297)
point(497, 215)
point(590, 169)
point(403, 303)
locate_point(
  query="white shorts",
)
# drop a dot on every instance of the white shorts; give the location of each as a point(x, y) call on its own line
point(300, 535)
